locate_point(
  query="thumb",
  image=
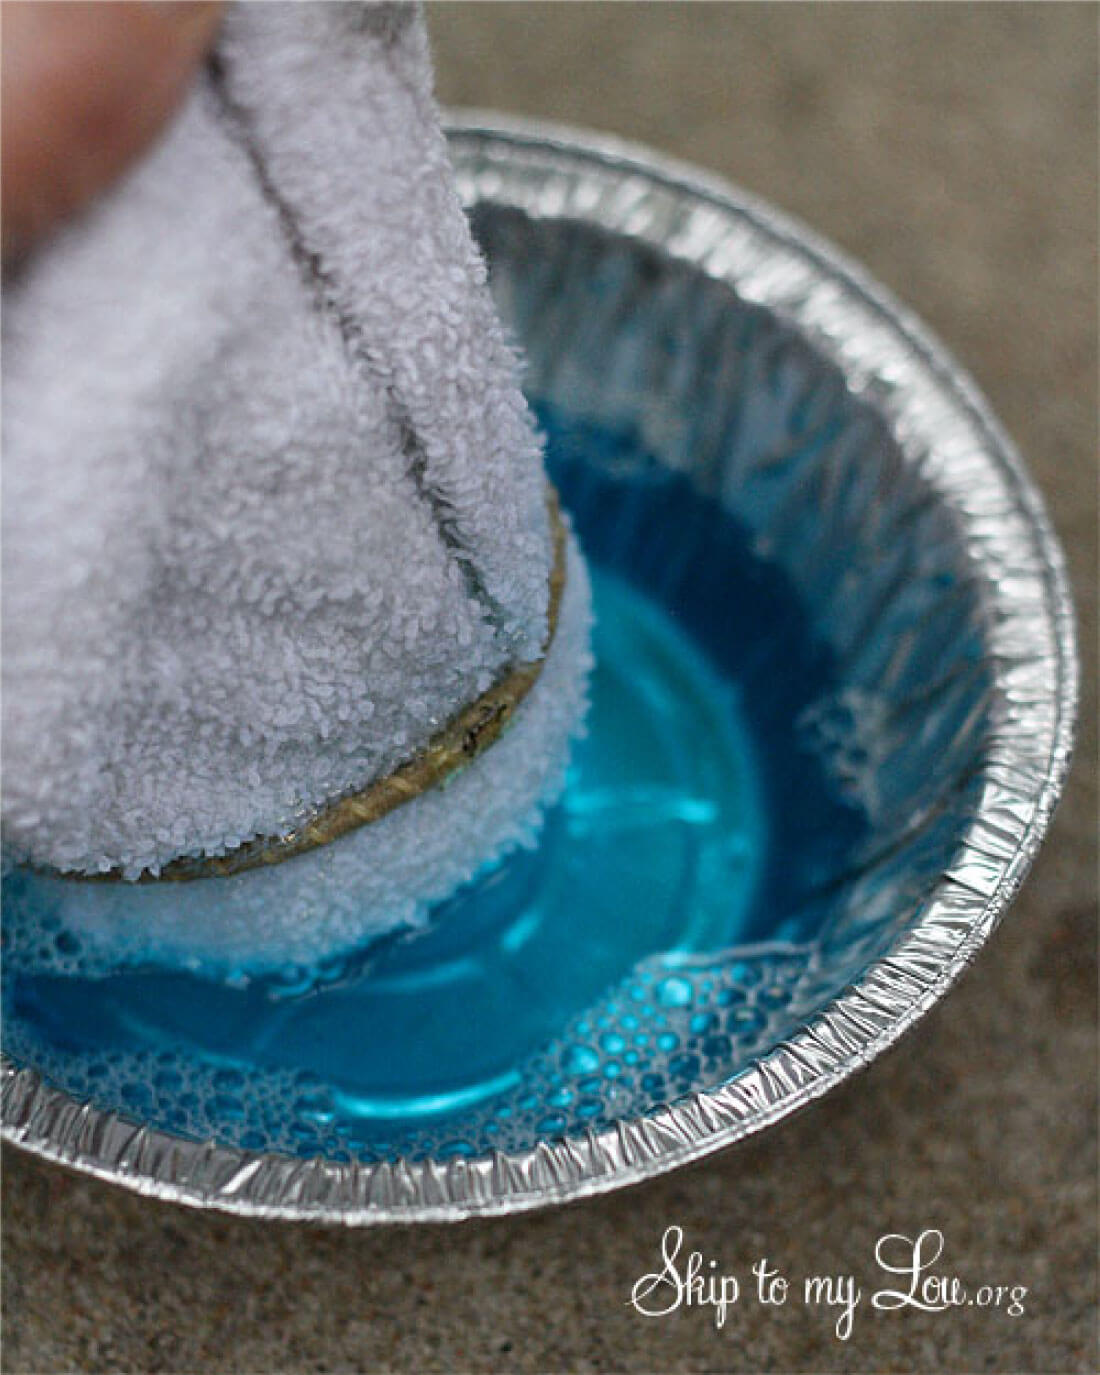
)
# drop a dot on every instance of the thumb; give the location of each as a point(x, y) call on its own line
point(85, 87)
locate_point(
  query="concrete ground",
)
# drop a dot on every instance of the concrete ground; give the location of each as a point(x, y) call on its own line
point(953, 150)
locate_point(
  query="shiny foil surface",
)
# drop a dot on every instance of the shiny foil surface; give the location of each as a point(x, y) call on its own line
point(753, 358)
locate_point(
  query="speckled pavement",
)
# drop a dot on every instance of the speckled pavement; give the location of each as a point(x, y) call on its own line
point(953, 150)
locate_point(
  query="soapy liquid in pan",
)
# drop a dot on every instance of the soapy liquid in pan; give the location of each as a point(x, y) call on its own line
point(659, 938)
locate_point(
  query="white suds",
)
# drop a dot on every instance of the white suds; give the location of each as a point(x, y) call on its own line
point(371, 881)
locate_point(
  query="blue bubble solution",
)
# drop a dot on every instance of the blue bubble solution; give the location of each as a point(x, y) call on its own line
point(652, 944)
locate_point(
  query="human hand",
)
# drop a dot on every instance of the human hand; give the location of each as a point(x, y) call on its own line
point(86, 87)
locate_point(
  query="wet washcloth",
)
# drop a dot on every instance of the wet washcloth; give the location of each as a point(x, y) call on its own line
point(273, 505)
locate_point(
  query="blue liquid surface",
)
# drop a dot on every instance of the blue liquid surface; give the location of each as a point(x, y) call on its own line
point(653, 944)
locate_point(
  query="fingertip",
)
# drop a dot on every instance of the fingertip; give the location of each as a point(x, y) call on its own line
point(85, 89)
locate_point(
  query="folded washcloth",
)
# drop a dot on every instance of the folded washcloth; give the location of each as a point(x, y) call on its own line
point(273, 504)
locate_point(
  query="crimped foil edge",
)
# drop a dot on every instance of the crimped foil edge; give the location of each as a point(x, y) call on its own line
point(1031, 754)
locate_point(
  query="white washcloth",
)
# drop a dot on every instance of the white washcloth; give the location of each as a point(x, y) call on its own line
point(273, 504)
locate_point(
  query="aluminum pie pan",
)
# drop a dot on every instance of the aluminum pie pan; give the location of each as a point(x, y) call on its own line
point(941, 423)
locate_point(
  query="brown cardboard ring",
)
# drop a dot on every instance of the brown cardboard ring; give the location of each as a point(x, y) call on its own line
point(458, 743)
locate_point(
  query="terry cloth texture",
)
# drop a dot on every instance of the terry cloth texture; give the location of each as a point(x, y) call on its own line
point(273, 503)
point(378, 879)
